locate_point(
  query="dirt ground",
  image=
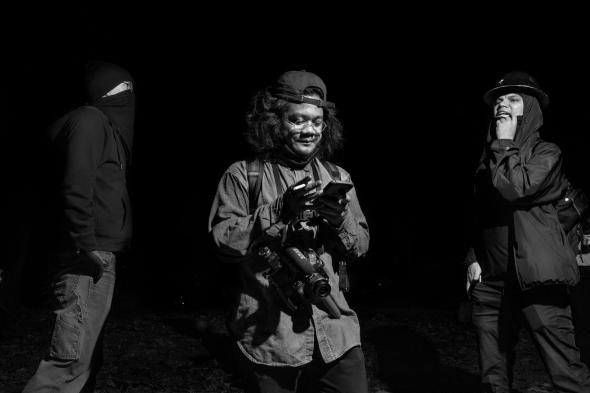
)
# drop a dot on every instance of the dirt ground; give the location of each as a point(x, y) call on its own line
point(408, 349)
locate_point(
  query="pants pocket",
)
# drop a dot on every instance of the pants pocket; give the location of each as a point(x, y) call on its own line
point(65, 341)
point(69, 321)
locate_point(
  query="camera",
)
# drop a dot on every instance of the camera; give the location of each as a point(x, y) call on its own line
point(299, 278)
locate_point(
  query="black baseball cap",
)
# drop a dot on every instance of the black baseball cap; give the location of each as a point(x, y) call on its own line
point(515, 82)
point(291, 84)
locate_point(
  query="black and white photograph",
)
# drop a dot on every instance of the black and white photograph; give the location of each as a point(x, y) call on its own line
point(294, 199)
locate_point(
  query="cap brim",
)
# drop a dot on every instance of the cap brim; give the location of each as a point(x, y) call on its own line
point(299, 99)
point(496, 91)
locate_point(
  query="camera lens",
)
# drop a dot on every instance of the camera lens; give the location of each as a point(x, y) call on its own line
point(318, 286)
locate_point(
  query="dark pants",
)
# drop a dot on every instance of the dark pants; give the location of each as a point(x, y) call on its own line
point(344, 375)
point(546, 310)
point(75, 354)
point(580, 306)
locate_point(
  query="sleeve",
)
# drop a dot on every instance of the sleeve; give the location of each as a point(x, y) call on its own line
point(83, 145)
point(354, 231)
point(470, 257)
point(232, 226)
point(521, 181)
point(471, 230)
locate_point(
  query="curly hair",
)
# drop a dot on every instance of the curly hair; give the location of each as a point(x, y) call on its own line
point(264, 122)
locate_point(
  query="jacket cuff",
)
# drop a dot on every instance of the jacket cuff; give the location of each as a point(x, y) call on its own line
point(502, 144)
point(470, 257)
point(347, 237)
point(84, 242)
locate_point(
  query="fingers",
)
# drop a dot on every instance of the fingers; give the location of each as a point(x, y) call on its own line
point(311, 190)
point(301, 184)
point(333, 202)
point(473, 275)
point(305, 187)
point(312, 185)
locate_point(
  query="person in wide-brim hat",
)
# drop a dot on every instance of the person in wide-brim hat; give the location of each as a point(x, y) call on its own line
point(521, 266)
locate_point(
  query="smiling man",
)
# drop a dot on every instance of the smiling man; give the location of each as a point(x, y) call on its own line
point(290, 242)
point(521, 263)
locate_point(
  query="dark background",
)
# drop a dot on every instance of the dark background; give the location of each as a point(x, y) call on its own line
point(410, 96)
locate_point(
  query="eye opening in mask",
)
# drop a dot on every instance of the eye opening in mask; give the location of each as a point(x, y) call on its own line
point(121, 87)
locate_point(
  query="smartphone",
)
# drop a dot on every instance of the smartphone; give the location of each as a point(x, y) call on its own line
point(336, 188)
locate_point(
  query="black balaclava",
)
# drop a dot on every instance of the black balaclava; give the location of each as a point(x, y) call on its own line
point(100, 78)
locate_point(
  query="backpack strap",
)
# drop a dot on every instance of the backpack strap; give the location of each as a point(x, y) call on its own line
point(277, 175)
point(254, 171)
point(332, 170)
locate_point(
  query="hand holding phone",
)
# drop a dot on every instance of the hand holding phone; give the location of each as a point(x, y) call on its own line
point(332, 202)
point(336, 189)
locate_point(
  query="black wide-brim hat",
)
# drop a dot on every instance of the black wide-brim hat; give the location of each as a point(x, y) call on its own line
point(517, 82)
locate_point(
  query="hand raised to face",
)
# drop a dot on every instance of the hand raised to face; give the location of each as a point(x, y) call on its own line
point(506, 111)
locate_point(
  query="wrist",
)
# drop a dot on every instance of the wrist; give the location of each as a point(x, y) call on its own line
point(502, 144)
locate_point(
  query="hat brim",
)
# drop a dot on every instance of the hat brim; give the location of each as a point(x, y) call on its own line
point(300, 99)
point(491, 95)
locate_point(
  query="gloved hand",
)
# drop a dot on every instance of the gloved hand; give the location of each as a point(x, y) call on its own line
point(333, 208)
point(299, 196)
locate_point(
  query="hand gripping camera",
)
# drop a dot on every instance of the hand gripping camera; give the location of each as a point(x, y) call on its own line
point(299, 278)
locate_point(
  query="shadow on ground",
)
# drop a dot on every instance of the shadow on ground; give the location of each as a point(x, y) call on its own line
point(217, 341)
point(408, 362)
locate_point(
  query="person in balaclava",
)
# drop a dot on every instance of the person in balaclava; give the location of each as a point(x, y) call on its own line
point(521, 262)
point(91, 219)
point(271, 221)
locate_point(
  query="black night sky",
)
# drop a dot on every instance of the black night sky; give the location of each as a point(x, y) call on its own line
point(410, 99)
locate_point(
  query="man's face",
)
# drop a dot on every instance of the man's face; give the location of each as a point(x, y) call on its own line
point(510, 105)
point(302, 127)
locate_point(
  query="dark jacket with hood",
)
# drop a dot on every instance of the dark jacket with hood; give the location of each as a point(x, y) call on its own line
point(90, 148)
point(517, 185)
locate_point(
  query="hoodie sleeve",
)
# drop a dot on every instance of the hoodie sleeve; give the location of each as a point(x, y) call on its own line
point(232, 226)
point(526, 181)
point(83, 145)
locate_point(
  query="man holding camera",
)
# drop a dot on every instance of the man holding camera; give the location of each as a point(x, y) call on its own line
point(290, 241)
point(521, 262)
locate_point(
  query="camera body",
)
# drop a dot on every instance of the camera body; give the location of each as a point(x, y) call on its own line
point(299, 278)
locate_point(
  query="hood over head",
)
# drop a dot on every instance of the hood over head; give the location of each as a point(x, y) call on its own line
point(101, 77)
point(527, 129)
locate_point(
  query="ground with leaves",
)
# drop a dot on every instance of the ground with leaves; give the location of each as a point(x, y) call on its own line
point(408, 349)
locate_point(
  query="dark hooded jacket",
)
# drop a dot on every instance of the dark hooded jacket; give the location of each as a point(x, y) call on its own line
point(517, 185)
point(90, 148)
